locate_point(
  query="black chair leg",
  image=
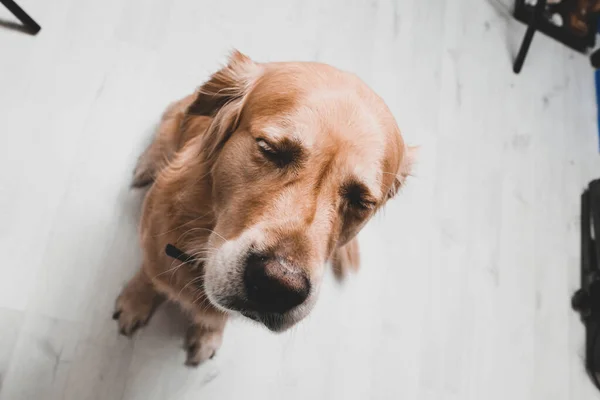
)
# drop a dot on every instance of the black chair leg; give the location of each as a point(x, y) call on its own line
point(586, 300)
point(531, 28)
point(595, 59)
point(22, 16)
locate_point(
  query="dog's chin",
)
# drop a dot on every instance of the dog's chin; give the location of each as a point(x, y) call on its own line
point(274, 322)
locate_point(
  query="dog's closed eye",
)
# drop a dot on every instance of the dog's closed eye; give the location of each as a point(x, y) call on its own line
point(357, 197)
point(282, 154)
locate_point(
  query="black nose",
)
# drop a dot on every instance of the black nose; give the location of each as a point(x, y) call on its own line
point(273, 285)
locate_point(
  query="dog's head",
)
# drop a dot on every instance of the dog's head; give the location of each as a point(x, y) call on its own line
point(301, 156)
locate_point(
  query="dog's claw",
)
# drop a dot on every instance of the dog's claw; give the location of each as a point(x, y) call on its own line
point(192, 349)
point(128, 331)
point(190, 363)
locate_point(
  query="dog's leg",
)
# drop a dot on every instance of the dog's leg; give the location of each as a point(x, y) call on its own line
point(204, 337)
point(346, 258)
point(136, 303)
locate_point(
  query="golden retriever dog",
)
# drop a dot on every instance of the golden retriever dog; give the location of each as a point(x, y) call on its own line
point(264, 176)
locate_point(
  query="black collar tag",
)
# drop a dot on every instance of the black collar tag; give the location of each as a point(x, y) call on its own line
point(174, 252)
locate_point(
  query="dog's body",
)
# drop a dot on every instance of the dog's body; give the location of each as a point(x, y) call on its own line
point(264, 175)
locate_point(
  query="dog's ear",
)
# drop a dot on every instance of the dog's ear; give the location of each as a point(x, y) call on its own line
point(230, 83)
point(222, 97)
point(405, 169)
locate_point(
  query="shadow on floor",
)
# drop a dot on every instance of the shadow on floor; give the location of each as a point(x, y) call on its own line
point(14, 26)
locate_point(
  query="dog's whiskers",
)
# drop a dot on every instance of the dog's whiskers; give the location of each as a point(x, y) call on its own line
point(174, 269)
point(201, 229)
point(185, 223)
point(196, 279)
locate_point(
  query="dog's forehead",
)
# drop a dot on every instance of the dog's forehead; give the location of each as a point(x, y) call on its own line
point(326, 111)
point(353, 147)
point(318, 104)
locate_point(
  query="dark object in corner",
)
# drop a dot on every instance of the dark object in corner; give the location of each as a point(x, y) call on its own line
point(571, 22)
point(587, 299)
point(595, 59)
point(533, 22)
point(30, 25)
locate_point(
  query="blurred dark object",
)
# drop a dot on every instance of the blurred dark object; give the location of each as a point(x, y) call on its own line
point(30, 25)
point(571, 22)
point(582, 17)
point(595, 59)
point(535, 17)
point(587, 299)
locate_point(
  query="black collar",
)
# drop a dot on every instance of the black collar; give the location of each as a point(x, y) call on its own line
point(174, 252)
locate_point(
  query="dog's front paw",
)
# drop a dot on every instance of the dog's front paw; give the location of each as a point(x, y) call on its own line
point(131, 314)
point(135, 305)
point(201, 344)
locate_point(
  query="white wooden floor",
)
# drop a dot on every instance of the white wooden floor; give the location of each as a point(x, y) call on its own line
point(464, 292)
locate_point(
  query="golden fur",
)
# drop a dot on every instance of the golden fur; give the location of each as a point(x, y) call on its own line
point(213, 190)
